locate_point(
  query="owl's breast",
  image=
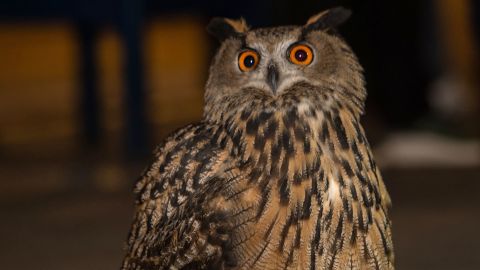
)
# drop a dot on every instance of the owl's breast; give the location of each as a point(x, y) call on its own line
point(309, 194)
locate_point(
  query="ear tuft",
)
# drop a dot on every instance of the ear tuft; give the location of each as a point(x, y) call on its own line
point(328, 19)
point(239, 25)
point(223, 28)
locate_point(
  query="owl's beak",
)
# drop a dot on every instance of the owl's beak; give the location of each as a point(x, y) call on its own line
point(272, 77)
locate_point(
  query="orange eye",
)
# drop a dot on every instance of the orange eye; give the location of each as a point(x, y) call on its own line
point(248, 60)
point(300, 54)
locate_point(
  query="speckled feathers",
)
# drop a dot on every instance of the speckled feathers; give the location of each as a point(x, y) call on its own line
point(280, 179)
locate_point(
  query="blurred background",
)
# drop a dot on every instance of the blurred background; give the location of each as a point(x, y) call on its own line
point(88, 88)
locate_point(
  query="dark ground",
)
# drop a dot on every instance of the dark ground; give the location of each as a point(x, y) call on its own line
point(51, 218)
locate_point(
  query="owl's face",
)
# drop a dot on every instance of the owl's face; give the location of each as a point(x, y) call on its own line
point(284, 66)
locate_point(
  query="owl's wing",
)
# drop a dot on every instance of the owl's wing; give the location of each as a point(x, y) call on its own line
point(179, 220)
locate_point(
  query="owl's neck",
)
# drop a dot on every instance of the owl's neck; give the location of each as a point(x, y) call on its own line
point(298, 149)
point(297, 135)
point(290, 141)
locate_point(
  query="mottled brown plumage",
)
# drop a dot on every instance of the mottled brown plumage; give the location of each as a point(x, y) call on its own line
point(278, 175)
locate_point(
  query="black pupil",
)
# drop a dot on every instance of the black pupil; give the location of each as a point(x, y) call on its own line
point(249, 61)
point(301, 55)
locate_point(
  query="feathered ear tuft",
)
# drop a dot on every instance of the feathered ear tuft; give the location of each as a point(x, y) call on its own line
point(223, 28)
point(327, 19)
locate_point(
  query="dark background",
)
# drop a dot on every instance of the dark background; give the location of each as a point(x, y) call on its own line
point(88, 88)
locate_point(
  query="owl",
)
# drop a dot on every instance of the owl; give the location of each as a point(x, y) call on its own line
point(278, 174)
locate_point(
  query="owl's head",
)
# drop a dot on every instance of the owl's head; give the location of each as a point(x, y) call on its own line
point(280, 67)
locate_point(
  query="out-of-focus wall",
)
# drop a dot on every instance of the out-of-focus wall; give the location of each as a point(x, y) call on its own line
point(39, 84)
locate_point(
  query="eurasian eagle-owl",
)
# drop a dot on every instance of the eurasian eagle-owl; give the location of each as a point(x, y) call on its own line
point(278, 174)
